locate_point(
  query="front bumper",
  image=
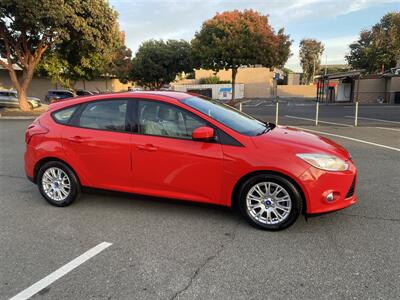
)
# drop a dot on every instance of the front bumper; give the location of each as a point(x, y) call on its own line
point(318, 184)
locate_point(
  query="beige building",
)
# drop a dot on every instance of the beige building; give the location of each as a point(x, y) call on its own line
point(39, 85)
point(353, 86)
point(259, 83)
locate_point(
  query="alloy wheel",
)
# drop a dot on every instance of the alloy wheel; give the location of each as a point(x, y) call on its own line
point(56, 184)
point(268, 203)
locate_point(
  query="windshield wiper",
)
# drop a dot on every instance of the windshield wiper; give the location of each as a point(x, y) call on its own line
point(264, 131)
point(268, 127)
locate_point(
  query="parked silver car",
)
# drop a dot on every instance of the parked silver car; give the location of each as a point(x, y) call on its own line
point(10, 99)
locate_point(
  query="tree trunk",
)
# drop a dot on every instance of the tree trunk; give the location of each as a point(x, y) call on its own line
point(21, 88)
point(234, 72)
point(24, 57)
point(26, 79)
point(23, 100)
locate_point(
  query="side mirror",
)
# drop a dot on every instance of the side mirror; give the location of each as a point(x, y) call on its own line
point(204, 134)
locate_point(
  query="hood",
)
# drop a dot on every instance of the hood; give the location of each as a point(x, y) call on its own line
point(298, 141)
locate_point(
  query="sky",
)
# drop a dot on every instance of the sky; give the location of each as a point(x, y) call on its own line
point(336, 23)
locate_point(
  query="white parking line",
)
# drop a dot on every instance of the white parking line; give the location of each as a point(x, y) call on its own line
point(380, 120)
point(349, 138)
point(379, 106)
point(319, 121)
point(57, 274)
point(386, 128)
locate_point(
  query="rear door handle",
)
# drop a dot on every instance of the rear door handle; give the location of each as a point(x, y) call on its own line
point(77, 139)
point(147, 147)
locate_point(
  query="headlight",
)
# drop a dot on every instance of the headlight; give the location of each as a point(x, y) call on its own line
point(324, 161)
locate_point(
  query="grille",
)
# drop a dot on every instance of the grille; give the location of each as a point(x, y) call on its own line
point(350, 193)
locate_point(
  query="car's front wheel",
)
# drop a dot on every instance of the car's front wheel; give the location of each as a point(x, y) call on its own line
point(270, 202)
point(57, 183)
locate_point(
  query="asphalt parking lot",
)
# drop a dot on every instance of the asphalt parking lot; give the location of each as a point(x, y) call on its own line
point(175, 250)
point(303, 112)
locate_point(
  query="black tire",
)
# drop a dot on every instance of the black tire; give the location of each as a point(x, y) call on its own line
point(291, 189)
point(75, 188)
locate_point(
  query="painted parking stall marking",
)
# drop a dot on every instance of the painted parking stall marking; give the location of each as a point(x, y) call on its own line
point(372, 119)
point(387, 128)
point(319, 121)
point(57, 274)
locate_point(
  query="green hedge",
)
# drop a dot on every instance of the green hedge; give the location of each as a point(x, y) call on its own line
point(212, 80)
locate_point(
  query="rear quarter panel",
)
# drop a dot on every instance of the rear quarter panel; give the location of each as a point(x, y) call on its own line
point(50, 146)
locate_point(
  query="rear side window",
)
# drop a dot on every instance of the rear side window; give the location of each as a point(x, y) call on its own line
point(162, 119)
point(105, 115)
point(63, 116)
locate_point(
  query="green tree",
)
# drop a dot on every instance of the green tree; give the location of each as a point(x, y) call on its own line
point(79, 36)
point(235, 39)
point(157, 62)
point(377, 47)
point(66, 69)
point(310, 58)
point(121, 65)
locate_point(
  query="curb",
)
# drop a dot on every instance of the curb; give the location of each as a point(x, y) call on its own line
point(17, 117)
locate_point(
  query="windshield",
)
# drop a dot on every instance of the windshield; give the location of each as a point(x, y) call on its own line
point(228, 116)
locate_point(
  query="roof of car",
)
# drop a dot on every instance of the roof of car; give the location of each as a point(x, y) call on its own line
point(133, 94)
point(8, 91)
point(170, 94)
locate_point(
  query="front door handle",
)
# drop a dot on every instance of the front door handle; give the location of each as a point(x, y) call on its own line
point(147, 147)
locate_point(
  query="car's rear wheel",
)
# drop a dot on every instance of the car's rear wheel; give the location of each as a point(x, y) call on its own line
point(270, 202)
point(57, 183)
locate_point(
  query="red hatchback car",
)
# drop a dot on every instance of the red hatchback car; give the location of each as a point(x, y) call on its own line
point(176, 145)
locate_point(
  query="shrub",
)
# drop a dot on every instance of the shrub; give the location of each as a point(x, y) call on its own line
point(212, 80)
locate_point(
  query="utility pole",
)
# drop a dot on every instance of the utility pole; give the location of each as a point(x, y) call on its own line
point(326, 64)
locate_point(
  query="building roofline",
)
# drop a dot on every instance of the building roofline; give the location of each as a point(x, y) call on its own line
point(351, 73)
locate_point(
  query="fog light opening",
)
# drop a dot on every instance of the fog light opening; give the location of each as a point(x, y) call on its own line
point(332, 196)
point(329, 197)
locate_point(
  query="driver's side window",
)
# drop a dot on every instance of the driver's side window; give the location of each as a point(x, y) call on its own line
point(156, 118)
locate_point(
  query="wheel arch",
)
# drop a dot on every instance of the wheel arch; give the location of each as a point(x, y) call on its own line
point(44, 160)
point(239, 183)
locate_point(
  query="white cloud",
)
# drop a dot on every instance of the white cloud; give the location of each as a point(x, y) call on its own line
point(357, 5)
point(154, 19)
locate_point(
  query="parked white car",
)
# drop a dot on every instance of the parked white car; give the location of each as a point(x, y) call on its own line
point(10, 99)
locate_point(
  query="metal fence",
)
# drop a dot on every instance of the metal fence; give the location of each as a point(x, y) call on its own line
point(311, 112)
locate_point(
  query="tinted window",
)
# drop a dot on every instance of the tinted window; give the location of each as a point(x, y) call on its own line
point(64, 94)
point(227, 115)
point(160, 119)
point(108, 115)
point(83, 93)
point(63, 116)
point(8, 94)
